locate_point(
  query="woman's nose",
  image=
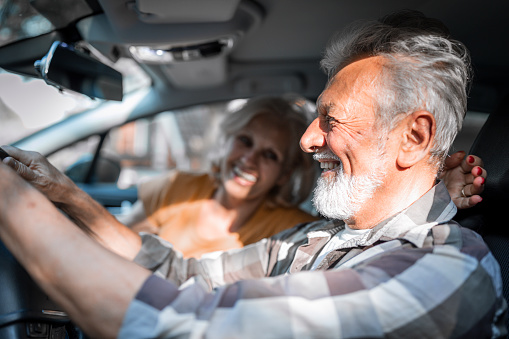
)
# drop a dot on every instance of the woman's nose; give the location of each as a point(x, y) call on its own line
point(250, 156)
point(313, 138)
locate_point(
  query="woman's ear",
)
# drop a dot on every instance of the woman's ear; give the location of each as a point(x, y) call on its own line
point(418, 135)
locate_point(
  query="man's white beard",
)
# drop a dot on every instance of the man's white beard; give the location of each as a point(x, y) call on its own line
point(341, 196)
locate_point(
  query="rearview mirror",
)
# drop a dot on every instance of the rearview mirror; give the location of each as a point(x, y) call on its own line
point(66, 68)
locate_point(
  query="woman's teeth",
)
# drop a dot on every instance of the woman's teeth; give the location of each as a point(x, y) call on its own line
point(244, 175)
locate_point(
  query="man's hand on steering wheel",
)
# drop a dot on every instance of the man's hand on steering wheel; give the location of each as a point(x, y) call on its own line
point(39, 172)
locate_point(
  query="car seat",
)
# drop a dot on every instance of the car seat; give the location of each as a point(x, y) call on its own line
point(489, 217)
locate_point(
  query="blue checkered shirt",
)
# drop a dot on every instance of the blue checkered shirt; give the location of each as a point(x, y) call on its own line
point(417, 274)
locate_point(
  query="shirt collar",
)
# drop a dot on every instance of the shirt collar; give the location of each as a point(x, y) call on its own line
point(412, 224)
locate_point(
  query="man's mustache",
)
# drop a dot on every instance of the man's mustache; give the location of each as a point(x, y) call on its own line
point(325, 155)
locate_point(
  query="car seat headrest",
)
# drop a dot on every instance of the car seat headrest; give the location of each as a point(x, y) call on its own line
point(492, 145)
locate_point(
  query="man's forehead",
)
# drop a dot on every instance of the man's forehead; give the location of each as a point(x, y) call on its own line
point(356, 80)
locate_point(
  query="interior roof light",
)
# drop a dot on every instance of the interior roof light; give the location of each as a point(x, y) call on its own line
point(162, 55)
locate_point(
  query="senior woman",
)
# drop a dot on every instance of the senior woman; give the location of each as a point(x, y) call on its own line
point(258, 179)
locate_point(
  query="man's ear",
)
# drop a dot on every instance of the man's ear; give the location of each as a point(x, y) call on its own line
point(418, 134)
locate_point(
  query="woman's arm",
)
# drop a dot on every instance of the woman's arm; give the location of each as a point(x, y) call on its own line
point(136, 219)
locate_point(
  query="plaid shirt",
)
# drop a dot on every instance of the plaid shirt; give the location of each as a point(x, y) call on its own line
point(417, 274)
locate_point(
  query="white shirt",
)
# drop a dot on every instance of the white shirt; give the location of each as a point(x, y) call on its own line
point(338, 239)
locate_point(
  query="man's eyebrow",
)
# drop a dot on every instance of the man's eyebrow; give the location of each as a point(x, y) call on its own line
point(324, 107)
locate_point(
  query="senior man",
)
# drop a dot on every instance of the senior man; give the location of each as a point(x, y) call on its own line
point(398, 266)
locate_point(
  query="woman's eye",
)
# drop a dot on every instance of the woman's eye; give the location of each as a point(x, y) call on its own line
point(270, 155)
point(245, 140)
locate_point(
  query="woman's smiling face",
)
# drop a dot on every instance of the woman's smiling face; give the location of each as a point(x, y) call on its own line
point(255, 158)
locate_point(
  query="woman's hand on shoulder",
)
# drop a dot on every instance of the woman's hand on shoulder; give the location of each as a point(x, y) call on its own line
point(464, 177)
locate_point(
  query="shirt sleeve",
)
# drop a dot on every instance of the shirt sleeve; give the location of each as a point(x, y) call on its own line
point(160, 257)
point(433, 292)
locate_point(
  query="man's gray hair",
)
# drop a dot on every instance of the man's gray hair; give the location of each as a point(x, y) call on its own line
point(424, 70)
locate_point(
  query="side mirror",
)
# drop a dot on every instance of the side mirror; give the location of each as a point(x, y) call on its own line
point(66, 68)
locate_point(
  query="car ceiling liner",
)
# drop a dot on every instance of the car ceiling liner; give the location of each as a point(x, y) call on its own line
point(191, 46)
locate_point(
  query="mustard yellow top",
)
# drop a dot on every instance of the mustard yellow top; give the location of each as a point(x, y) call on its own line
point(172, 202)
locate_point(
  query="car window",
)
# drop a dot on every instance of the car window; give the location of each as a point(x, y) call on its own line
point(147, 147)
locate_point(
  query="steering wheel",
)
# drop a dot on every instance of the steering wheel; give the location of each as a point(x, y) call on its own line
point(25, 310)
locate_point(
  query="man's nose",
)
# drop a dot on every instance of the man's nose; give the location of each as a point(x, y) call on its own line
point(313, 138)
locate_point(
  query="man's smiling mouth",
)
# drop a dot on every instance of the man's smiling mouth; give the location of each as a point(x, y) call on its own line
point(328, 160)
point(329, 165)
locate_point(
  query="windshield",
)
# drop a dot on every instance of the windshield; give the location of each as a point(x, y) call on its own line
point(19, 20)
point(28, 105)
point(21, 117)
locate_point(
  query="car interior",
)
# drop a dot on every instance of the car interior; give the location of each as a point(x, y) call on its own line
point(169, 70)
point(487, 217)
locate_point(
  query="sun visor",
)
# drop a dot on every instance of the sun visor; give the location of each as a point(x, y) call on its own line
point(128, 25)
point(188, 11)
